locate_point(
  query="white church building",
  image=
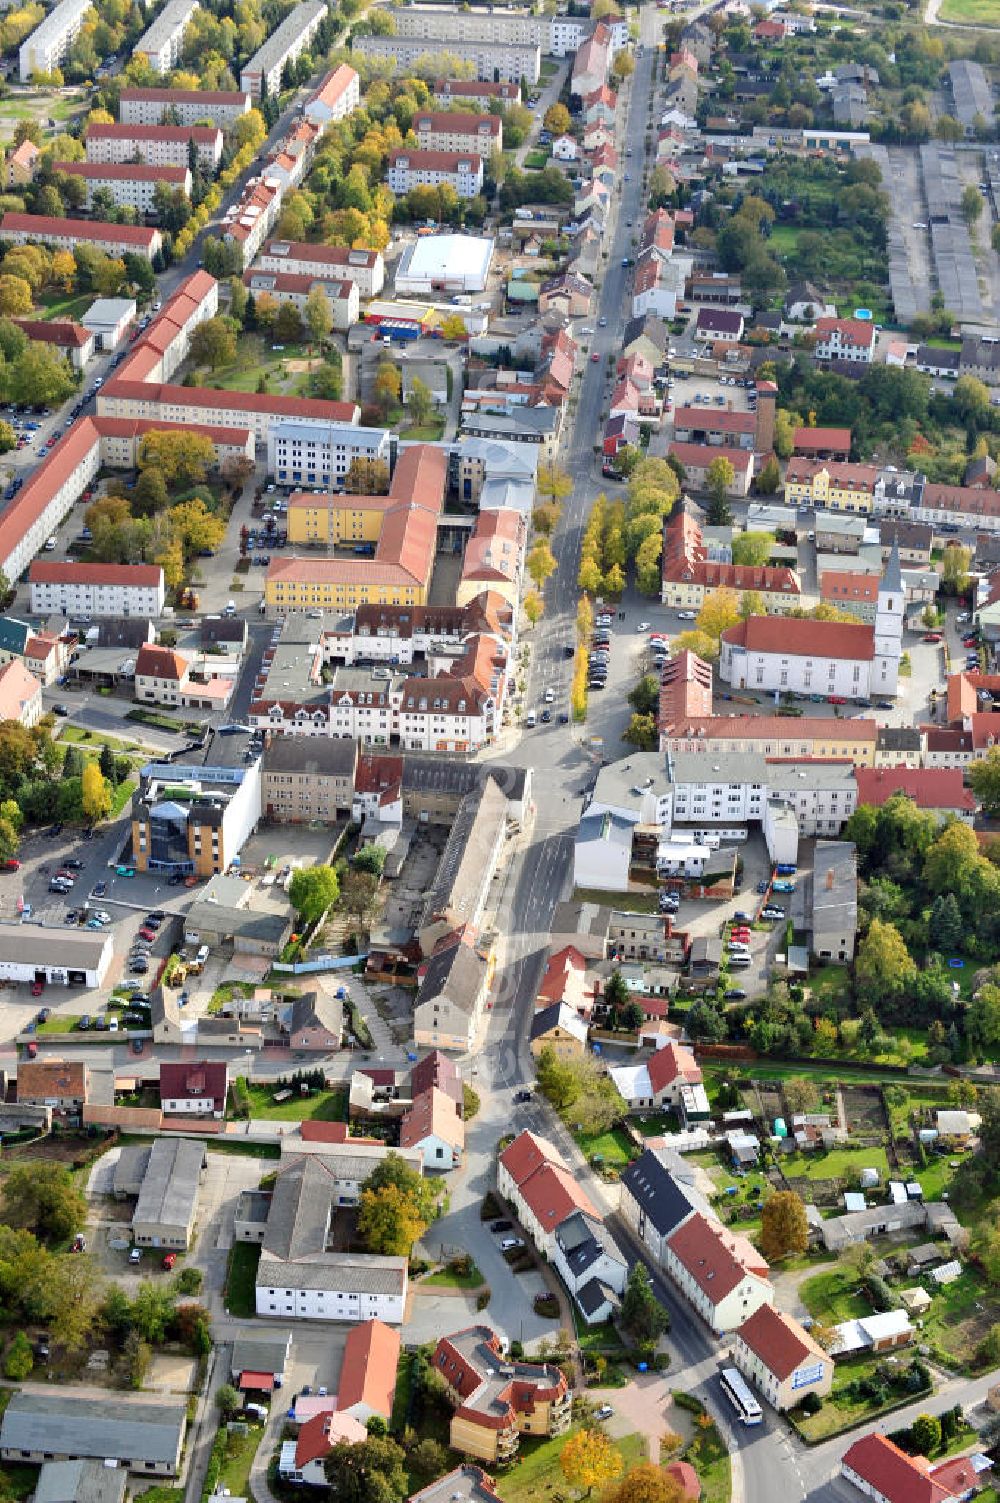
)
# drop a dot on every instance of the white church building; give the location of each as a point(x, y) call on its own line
point(789, 655)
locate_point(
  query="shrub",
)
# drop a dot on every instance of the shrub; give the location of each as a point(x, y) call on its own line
point(490, 1207)
point(483, 1297)
point(812, 1403)
point(880, 1294)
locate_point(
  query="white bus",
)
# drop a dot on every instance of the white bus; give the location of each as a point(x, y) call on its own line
point(740, 1397)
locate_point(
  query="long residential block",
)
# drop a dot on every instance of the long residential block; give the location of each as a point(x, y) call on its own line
point(455, 130)
point(222, 107)
point(337, 96)
point(284, 287)
point(462, 171)
point(132, 184)
point(159, 145)
point(96, 589)
point(262, 74)
point(365, 268)
point(500, 61)
point(161, 44)
point(141, 1434)
point(49, 43)
point(64, 234)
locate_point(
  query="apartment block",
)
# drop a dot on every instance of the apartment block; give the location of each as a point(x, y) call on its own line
point(133, 185)
point(363, 267)
point(263, 72)
point(458, 131)
point(221, 107)
point(450, 90)
point(307, 779)
point(284, 287)
point(193, 819)
point(64, 234)
point(414, 169)
point(72, 589)
point(249, 222)
point(159, 145)
point(495, 1399)
point(337, 97)
point(161, 44)
point(49, 43)
point(506, 62)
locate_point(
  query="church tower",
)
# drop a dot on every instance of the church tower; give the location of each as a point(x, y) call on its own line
point(890, 615)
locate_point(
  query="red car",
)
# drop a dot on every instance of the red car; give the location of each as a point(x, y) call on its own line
point(595, 357)
point(147, 934)
point(932, 636)
point(37, 987)
point(11, 865)
point(169, 1260)
point(836, 699)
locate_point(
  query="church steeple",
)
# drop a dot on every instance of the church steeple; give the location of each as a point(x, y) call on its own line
point(890, 617)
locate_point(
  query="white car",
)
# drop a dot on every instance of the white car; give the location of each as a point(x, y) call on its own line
point(605, 1412)
point(549, 696)
point(508, 1244)
point(102, 917)
point(643, 626)
point(686, 616)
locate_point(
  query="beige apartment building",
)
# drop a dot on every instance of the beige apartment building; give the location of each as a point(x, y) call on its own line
point(459, 131)
point(158, 145)
point(306, 778)
point(505, 62)
point(222, 107)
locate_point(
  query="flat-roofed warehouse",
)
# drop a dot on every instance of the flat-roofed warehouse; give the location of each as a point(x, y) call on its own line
point(29, 952)
point(168, 1199)
point(444, 263)
point(141, 1434)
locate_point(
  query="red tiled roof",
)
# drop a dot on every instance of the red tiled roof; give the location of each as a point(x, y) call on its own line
point(321, 1433)
point(323, 1132)
point(671, 1062)
point(186, 96)
point(891, 1474)
point(206, 1078)
point(466, 123)
point(809, 440)
point(333, 255)
point(821, 639)
point(708, 420)
point(433, 1114)
point(236, 401)
point(716, 1259)
point(845, 476)
point(957, 1476)
point(560, 966)
point(946, 739)
point(63, 332)
point(685, 690)
point(160, 662)
point(552, 1194)
point(419, 158)
point(44, 572)
point(198, 133)
point(853, 331)
point(778, 1340)
point(138, 172)
point(527, 1153)
point(335, 85)
point(80, 229)
point(368, 1371)
point(846, 585)
point(700, 456)
point(780, 727)
point(685, 1475)
point(929, 787)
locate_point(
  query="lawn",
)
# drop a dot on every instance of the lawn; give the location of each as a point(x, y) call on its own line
point(613, 1148)
point(842, 1412)
point(830, 1297)
point(656, 1124)
point(536, 1471)
point(429, 432)
point(65, 1023)
point(839, 1163)
point(18, 1482)
point(784, 238)
point(160, 1494)
point(321, 1106)
point(970, 12)
point(451, 1278)
point(120, 797)
point(625, 902)
point(830, 984)
point(710, 1459)
point(241, 1298)
point(234, 1479)
point(535, 160)
point(72, 305)
point(84, 738)
point(254, 359)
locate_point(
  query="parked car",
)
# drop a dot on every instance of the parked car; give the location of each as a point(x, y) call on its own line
point(169, 1260)
point(508, 1244)
point(521, 1096)
point(501, 1226)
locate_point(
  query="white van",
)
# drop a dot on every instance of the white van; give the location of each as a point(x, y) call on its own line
point(202, 955)
point(740, 961)
point(230, 608)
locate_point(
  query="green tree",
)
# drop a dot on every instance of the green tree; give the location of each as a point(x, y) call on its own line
point(769, 478)
point(228, 1400)
point(642, 1315)
point(984, 780)
point(641, 732)
point(557, 1080)
point(801, 1094)
point(951, 859)
point(955, 569)
point(982, 1021)
point(945, 925)
point(645, 697)
point(372, 1471)
point(616, 993)
point(719, 479)
point(926, 1433)
point(95, 793)
point(753, 548)
point(213, 343)
point(783, 1228)
point(390, 1221)
point(20, 1359)
point(420, 403)
point(371, 858)
point(152, 1311)
point(318, 315)
point(972, 203)
point(312, 890)
point(43, 1197)
point(884, 966)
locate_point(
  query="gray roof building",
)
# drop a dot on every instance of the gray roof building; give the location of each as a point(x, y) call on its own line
point(261, 1354)
point(165, 1211)
point(834, 899)
point(217, 922)
point(85, 1481)
point(142, 1434)
point(321, 756)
